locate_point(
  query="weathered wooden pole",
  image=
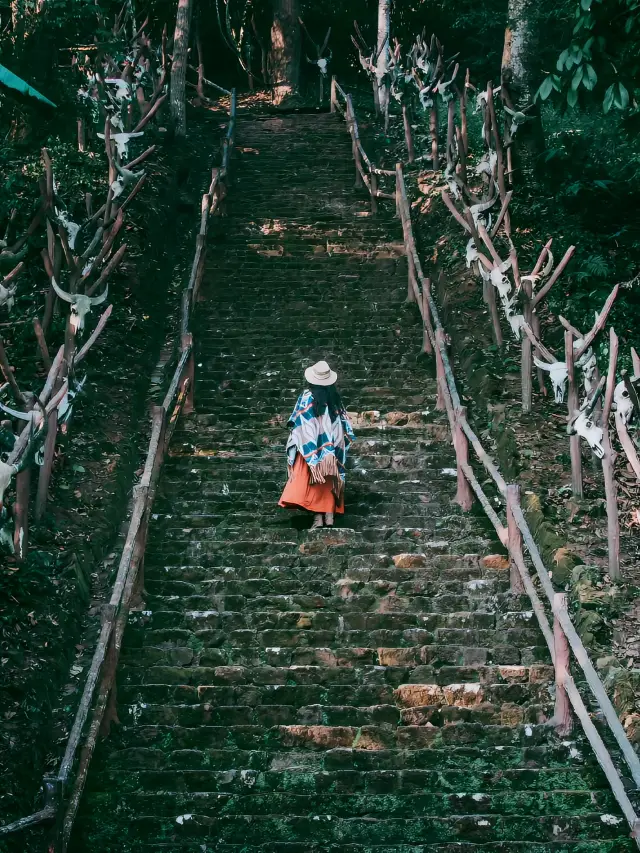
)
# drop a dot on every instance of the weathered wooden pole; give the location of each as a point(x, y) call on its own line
point(21, 514)
point(572, 405)
point(44, 477)
point(440, 375)
point(334, 94)
point(373, 179)
point(514, 540)
point(526, 362)
point(562, 713)
point(427, 328)
point(189, 373)
point(408, 135)
point(608, 463)
point(464, 495)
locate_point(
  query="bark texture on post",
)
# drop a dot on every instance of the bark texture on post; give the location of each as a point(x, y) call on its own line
point(573, 406)
point(562, 713)
point(179, 67)
point(464, 495)
point(286, 46)
point(383, 49)
point(520, 74)
point(514, 541)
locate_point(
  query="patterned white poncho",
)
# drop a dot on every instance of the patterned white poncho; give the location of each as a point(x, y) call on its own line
point(321, 442)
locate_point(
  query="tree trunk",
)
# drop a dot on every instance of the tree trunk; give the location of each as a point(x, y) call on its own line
point(383, 49)
point(179, 67)
point(520, 78)
point(286, 45)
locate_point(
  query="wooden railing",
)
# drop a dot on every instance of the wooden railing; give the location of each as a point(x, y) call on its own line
point(366, 172)
point(63, 790)
point(559, 633)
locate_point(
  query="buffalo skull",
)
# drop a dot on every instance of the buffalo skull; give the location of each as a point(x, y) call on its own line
point(81, 304)
point(584, 425)
point(623, 402)
point(6, 475)
point(557, 371)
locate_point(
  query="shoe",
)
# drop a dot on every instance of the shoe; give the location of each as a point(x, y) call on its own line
point(318, 521)
point(328, 519)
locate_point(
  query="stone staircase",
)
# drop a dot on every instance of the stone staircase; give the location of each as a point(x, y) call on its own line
point(372, 688)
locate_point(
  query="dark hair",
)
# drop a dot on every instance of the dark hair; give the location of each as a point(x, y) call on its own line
point(326, 396)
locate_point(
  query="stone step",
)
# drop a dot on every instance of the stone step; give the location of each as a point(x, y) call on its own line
point(165, 755)
point(304, 781)
point(603, 846)
point(169, 595)
point(329, 829)
point(352, 805)
point(208, 649)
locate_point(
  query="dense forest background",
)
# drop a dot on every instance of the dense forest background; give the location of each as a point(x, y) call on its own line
point(582, 53)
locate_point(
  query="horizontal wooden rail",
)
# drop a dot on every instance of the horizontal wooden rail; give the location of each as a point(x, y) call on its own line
point(447, 391)
point(93, 708)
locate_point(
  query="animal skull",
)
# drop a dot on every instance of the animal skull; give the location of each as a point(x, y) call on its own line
point(517, 119)
point(426, 98)
point(478, 212)
point(7, 296)
point(70, 227)
point(81, 304)
point(623, 402)
point(487, 164)
point(472, 252)
point(483, 97)
point(450, 178)
point(516, 321)
point(122, 141)
point(588, 364)
point(557, 371)
point(122, 87)
point(592, 434)
point(65, 406)
point(6, 475)
point(500, 280)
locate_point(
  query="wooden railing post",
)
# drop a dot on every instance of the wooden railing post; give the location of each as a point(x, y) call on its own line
point(464, 495)
point(21, 514)
point(190, 373)
point(44, 476)
point(334, 94)
point(373, 178)
point(440, 377)
point(572, 405)
point(514, 540)
point(562, 713)
point(427, 328)
point(526, 361)
point(411, 275)
point(354, 142)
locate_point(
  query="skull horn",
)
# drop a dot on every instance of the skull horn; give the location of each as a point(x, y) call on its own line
point(67, 297)
point(98, 300)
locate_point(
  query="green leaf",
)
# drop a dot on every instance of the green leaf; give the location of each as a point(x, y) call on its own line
point(562, 59)
point(546, 88)
point(608, 99)
point(577, 78)
point(590, 77)
point(585, 4)
point(621, 97)
point(79, 469)
point(572, 97)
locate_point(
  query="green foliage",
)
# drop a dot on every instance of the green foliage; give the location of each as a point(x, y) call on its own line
point(602, 53)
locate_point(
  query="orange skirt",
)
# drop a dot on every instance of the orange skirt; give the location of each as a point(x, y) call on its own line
point(300, 493)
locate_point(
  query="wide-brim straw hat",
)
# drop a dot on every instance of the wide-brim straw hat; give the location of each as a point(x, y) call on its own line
point(320, 374)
